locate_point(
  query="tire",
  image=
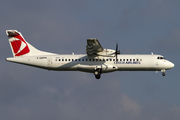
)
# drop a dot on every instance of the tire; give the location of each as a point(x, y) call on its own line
point(163, 74)
point(98, 76)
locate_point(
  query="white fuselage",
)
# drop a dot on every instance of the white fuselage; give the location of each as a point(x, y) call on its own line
point(89, 64)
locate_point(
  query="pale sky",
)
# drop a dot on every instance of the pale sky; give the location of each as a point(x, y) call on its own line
point(62, 26)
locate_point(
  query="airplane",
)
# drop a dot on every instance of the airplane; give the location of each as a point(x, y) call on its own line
point(97, 60)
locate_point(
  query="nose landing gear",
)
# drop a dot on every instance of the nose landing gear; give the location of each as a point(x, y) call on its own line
point(163, 72)
point(97, 73)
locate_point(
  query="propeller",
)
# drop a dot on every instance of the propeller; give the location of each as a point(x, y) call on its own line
point(117, 52)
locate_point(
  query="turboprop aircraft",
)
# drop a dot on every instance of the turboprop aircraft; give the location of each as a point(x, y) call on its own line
point(97, 60)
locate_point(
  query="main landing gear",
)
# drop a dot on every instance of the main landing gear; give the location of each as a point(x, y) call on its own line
point(97, 73)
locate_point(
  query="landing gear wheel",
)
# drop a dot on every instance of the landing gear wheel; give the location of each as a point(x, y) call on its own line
point(98, 76)
point(97, 73)
point(163, 74)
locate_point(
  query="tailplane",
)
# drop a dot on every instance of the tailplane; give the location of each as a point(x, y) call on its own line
point(20, 47)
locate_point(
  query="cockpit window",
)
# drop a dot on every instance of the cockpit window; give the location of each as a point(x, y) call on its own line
point(160, 58)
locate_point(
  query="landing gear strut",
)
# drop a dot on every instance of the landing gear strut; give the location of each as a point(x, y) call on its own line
point(163, 72)
point(97, 73)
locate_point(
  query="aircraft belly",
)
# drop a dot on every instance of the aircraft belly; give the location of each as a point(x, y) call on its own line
point(137, 68)
point(91, 68)
point(86, 68)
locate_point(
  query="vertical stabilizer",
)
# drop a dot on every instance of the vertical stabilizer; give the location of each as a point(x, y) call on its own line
point(20, 47)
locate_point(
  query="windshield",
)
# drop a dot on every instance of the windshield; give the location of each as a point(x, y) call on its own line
point(160, 58)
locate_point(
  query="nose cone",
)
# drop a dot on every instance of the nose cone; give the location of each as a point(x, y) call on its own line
point(171, 65)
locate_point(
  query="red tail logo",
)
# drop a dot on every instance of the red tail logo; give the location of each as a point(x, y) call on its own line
point(19, 46)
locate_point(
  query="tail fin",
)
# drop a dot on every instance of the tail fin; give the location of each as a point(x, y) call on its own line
point(20, 47)
point(18, 44)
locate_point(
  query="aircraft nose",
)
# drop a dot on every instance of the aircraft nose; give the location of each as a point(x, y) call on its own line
point(171, 65)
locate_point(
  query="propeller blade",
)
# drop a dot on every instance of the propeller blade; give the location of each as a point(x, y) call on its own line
point(116, 47)
point(117, 52)
point(116, 58)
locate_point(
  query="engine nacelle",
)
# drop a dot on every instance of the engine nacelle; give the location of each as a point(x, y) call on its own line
point(107, 53)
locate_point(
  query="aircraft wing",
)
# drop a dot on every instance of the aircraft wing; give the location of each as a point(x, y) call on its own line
point(93, 47)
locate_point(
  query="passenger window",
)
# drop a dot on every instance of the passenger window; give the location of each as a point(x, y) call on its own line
point(110, 59)
point(89, 59)
point(130, 59)
point(86, 59)
point(120, 59)
point(72, 59)
point(133, 59)
point(69, 59)
point(62, 59)
point(96, 59)
point(137, 59)
point(123, 59)
point(79, 59)
point(103, 59)
point(75, 59)
point(127, 60)
point(59, 59)
point(106, 59)
point(82, 59)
